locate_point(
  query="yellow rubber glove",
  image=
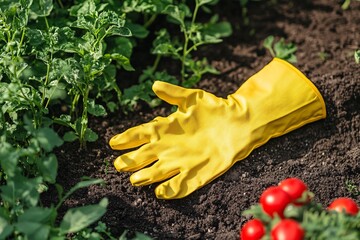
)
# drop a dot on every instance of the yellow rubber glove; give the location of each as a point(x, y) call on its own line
point(207, 134)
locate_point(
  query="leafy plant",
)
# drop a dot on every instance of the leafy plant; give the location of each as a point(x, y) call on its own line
point(352, 188)
point(90, 66)
point(195, 34)
point(280, 49)
point(180, 48)
point(41, 65)
point(44, 61)
point(21, 215)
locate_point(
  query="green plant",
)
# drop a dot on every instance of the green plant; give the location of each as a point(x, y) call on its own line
point(280, 49)
point(357, 56)
point(90, 67)
point(180, 48)
point(323, 55)
point(195, 34)
point(346, 4)
point(352, 188)
point(21, 214)
point(40, 65)
point(72, 61)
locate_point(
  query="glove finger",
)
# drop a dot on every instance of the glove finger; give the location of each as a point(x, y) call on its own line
point(176, 187)
point(174, 94)
point(187, 182)
point(160, 171)
point(135, 136)
point(135, 160)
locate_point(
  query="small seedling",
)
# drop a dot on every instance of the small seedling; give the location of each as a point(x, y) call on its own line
point(280, 49)
point(323, 55)
point(357, 56)
point(352, 188)
point(345, 5)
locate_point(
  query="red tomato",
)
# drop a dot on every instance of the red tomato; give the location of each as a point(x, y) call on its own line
point(344, 204)
point(274, 200)
point(295, 188)
point(287, 229)
point(252, 230)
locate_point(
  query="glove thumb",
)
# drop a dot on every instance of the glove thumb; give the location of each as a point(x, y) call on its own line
point(174, 94)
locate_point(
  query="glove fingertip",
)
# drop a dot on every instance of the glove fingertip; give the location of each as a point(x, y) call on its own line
point(170, 93)
point(162, 192)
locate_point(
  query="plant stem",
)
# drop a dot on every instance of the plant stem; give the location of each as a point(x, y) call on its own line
point(183, 58)
point(74, 104)
point(187, 34)
point(149, 21)
point(60, 3)
point(21, 42)
point(84, 119)
point(272, 52)
point(156, 63)
point(48, 68)
point(195, 12)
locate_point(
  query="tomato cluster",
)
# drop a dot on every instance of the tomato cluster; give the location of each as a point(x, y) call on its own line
point(274, 200)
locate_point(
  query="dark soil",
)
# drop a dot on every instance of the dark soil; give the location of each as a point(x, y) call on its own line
point(325, 154)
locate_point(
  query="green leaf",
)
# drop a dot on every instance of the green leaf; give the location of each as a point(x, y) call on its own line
point(41, 8)
point(202, 2)
point(284, 50)
point(107, 18)
point(70, 136)
point(48, 166)
point(90, 135)
point(79, 185)
point(87, 7)
point(48, 139)
point(36, 37)
point(137, 30)
point(64, 120)
point(79, 218)
point(122, 61)
point(8, 159)
point(281, 49)
point(357, 56)
point(268, 42)
point(218, 30)
point(96, 109)
point(21, 188)
point(345, 4)
point(176, 14)
point(33, 230)
point(120, 45)
point(112, 106)
point(5, 228)
point(118, 31)
point(164, 49)
point(36, 214)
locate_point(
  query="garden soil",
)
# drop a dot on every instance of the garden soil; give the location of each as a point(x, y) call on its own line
point(324, 154)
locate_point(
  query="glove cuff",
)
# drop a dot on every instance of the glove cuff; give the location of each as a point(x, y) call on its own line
point(278, 99)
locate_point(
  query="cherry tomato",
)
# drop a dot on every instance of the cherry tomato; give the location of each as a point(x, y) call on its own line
point(252, 230)
point(274, 200)
point(295, 188)
point(287, 229)
point(344, 204)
